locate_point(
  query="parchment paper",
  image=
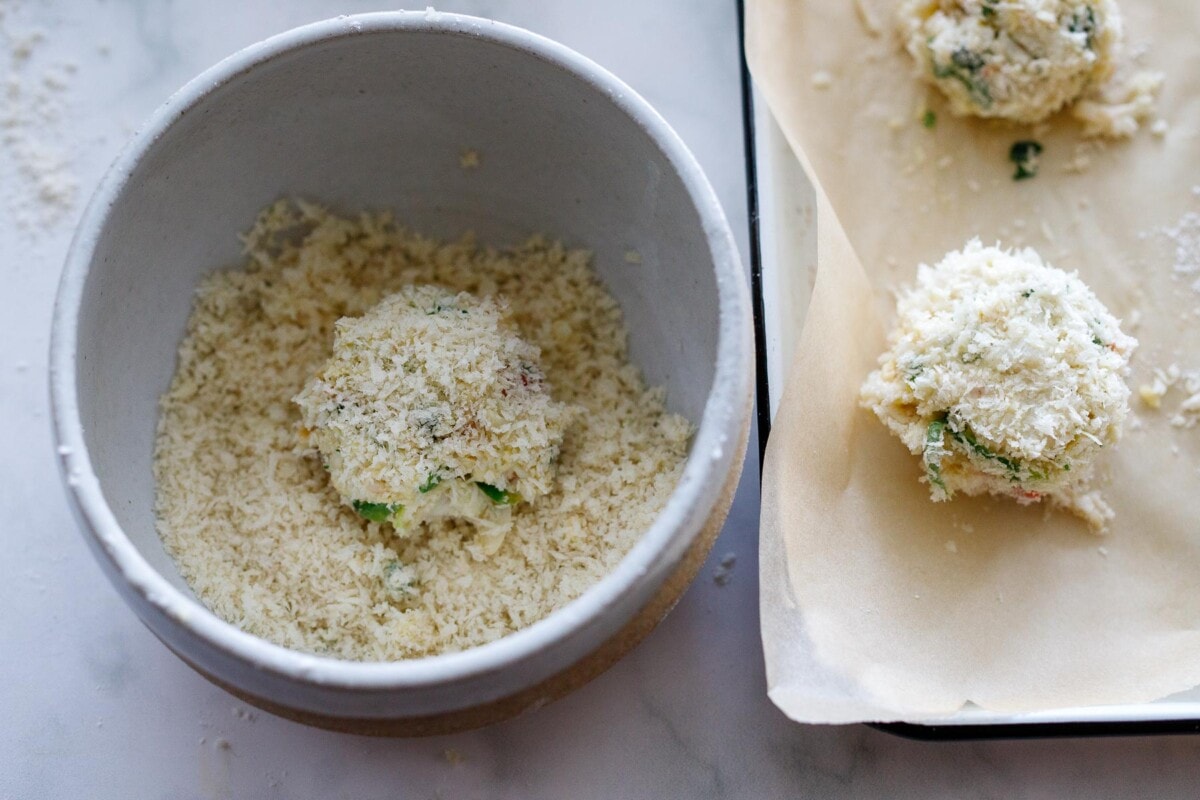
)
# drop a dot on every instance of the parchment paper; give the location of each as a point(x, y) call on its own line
point(878, 604)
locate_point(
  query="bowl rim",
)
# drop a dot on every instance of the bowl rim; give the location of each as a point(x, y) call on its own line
point(689, 504)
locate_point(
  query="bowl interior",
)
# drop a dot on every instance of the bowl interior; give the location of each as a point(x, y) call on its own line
point(379, 120)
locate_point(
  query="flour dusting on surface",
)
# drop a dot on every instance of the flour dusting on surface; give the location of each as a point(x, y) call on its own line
point(1184, 236)
point(34, 100)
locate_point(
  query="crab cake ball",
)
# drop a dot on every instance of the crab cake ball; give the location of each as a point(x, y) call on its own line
point(1020, 60)
point(1005, 375)
point(432, 407)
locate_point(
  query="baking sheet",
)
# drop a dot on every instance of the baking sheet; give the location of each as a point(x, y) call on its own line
point(871, 616)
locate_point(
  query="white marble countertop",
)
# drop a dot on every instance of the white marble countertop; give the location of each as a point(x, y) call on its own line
point(93, 706)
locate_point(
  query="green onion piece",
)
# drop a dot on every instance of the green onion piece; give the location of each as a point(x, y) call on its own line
point(434, 479)
point(1025, 154)
point(929, 119)
point(933, 441)
point(967, 438)
point(498, 496)
point(376, 512)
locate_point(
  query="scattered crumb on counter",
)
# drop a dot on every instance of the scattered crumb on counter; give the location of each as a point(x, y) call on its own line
point(1188, 413)
point(633, 257)
point(822, 79)
point(723, 574)
point(1102, 551)
point(244, 714)
point(469, 159)
point(1160, 128)
point(1184, 238)
point(32, 106)
point(1153, 392)
point(871, 25)
point(1079, 163)
point(1117, 108)
point(951, 547)
point(452, 756)
point(1163, 380)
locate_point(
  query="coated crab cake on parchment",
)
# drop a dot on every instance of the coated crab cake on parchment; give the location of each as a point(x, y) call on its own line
point(1005, 375)
point(1020, 60)
point(431, 407)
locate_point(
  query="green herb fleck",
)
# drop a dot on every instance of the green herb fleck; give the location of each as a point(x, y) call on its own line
point(1096, 341)
point(430, 483)
point(376, 512)
point(497, 495)
point(931, 454)
point(1025, 155)
point(959, 70)
point(988, 9)
point(1027, 293)
point(967, 59)
point(914, 371)
point(929, 119)
point(1084, 22)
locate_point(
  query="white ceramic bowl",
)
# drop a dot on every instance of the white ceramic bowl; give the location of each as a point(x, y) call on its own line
point(372, 112)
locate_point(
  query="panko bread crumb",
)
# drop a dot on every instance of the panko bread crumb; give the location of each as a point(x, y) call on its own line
point(256, 527)
point(432, 406)
point(1005, 375)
